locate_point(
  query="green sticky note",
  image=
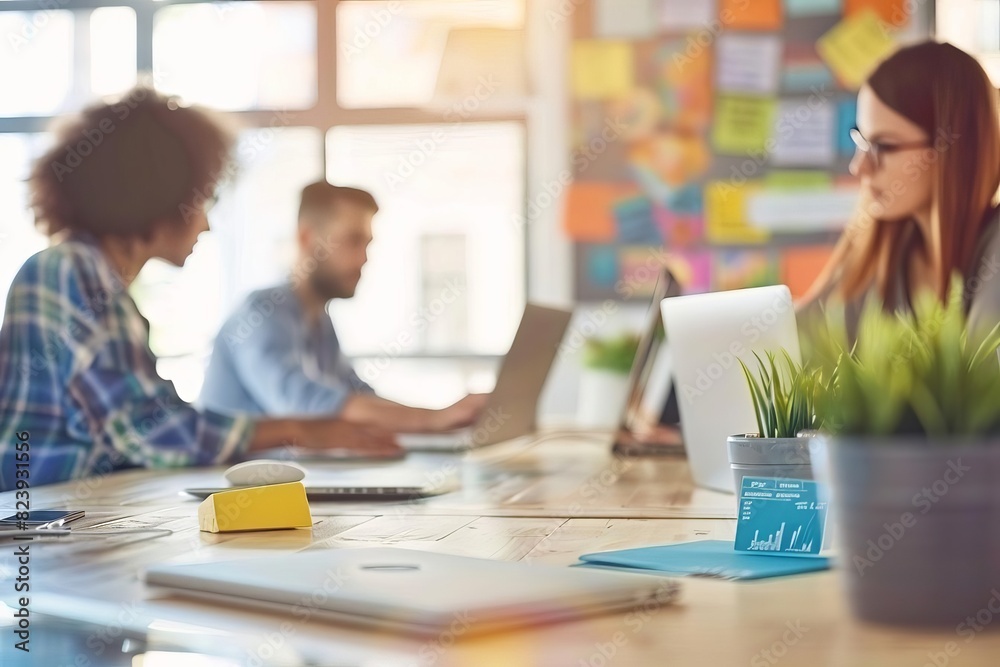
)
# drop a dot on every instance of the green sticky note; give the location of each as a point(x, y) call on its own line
point(799, 179)
point(743, 123)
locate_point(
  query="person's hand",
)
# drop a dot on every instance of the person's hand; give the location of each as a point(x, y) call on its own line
point(339, 434)
point(462, 413)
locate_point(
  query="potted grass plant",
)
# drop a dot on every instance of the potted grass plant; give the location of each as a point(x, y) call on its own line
point(784, 396)
point(604, 381)
point(911, 454)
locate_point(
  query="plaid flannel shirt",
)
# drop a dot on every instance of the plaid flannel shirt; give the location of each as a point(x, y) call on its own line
point(77, 376)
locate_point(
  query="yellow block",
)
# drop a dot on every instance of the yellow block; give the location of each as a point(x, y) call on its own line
point(269, 507)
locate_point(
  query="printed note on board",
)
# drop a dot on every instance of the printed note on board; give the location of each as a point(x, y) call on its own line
point(855, 46)
point(804, 132)
point(748, 64)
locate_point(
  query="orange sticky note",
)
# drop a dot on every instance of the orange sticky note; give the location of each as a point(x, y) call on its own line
point(589, 212)
point(893, 12)
point(751, 14)
point(801, 266)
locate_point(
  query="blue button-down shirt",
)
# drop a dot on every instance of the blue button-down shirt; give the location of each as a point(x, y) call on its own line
point(268, 360)
point(79, 383)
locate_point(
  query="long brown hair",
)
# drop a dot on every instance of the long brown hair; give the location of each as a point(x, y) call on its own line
point(947, 93)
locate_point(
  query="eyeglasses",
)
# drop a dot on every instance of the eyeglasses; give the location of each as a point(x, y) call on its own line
point(875, 149)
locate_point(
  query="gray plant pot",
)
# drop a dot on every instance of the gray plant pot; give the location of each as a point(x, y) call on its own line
point(918, 526)
point(768, 457)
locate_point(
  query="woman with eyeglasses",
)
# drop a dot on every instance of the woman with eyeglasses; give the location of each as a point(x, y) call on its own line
point(80, 395)
point(928, 157)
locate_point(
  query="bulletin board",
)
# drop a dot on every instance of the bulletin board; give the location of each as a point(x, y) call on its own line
point(712, 136)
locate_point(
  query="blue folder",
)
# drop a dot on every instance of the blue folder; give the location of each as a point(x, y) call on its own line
point(706, 558)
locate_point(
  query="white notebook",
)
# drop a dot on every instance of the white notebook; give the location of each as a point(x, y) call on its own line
point(414, 591)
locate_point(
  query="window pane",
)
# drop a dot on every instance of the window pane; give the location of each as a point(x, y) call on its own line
point(18, 238)
point(36, 59)
point(238, 55)
point(446, 269)
point(407, 40)
point(112, 50)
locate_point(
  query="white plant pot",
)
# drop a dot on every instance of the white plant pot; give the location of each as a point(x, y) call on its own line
point(601, 399)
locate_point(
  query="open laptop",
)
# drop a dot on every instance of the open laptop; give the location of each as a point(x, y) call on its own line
point(413, 591)
point(648, 423)
point(708, 333)
point(513, 405)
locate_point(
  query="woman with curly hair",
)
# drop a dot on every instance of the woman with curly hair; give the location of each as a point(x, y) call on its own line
point(124, 183)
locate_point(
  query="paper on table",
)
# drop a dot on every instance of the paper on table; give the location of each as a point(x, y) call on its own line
point(748, 63)
point(812, 7)
point(725, 213)
point(589, 206)
point(743, 123)
point(601, 69)
point(683, 15)
point(751, 14)
point(804, 133)
point(855, 46)
point(894, 12)
point(624, 18)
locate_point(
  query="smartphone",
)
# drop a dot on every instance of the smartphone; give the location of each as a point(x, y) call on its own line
point(43, 518)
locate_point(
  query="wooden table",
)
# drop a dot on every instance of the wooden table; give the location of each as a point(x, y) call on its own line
point(546, 503)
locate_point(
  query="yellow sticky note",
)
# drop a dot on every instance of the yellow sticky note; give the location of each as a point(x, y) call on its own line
point(725, 213)
point(743, 123)
point(269, 507)
point(855, 46)
point(601, 69)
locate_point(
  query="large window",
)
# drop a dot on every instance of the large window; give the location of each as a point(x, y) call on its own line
point(423, 102)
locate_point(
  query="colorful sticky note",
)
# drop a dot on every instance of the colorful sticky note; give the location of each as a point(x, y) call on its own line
point(751, 14)
point(692, 269)
point(812, 7)
point(893, 12)
point(601, 69)
point(742, 123)
point(639, 269)
point(679, 230)
point(635, 223)
point(635, 115)
point(675, 158)
point(804, 132)
point(748, 63)
point(725, 213)
point(798, 179)
point(600, 266)
point(684, 80)
point(624, 18)
point(847, 117)
point(685, 15)
point(855, 46)
point(589, 206)
point(739, 269)
point(801, 266)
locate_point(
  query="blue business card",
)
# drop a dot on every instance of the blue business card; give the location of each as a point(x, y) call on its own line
point(780, 516)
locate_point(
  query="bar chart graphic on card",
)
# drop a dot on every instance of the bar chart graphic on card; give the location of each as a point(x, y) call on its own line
point(780, 516)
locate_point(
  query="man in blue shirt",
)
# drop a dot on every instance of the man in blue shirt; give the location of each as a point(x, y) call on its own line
point(278, 354)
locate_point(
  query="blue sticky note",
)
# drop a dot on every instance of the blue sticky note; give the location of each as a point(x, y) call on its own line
point(812, 7)
point(847, 113)
point(634, 219)
point(601, 265)
point(780, 516)
point(706, 558)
